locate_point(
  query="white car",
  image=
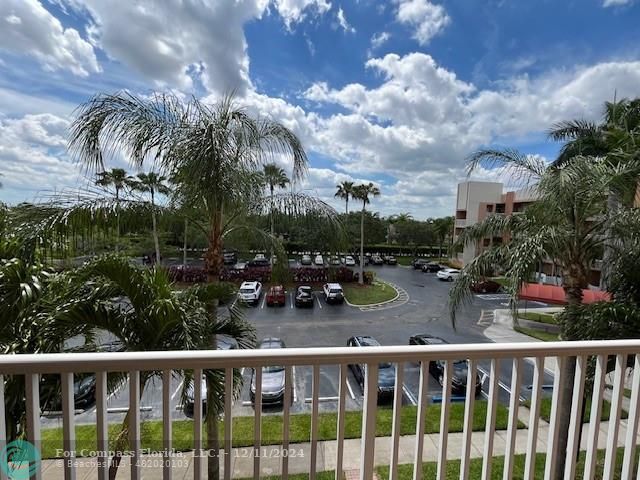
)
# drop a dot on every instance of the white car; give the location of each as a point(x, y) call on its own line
point(319, 261)
point(333, 292)
point(250, 292)
point(349, 261)
point(448, 274)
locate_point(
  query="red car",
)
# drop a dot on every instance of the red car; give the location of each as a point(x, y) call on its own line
point(275, 296)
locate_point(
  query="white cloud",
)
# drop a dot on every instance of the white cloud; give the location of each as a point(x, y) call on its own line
point(379, 39)
point(616, 3)
point(28, 28)
point(33, 155)
point(343, 23)
point(426, 18)
point(295, 11)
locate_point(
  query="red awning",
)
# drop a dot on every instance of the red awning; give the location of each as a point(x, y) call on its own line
point(553, 294)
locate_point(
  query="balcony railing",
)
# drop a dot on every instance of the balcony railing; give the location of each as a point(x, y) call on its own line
point(461, 222)
point(515, 355)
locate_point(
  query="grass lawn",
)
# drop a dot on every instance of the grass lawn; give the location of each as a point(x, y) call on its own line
point(429, 469)
point(377, 292)
point(501, 280)
point(539, 334)
point(300, 426)
point(545, 409)
point(405, 472)
point(538, 317)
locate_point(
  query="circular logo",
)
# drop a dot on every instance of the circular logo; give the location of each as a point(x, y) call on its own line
point(19, 460)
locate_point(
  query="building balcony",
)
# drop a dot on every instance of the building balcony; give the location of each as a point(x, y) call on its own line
point(461, 222)
point(523, 364)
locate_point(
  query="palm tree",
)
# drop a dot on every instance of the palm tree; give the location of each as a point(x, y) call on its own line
point(157, 317)
point(152, 183)
point(274, 176)
point(443, 228)
point(119, 180)
point(363, 193)
point(213, 154)
point(568, 224)
point(617, 138)
point(344, 191)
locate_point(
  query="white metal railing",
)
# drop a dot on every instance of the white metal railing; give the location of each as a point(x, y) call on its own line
point(461, 222)
point(31, 366)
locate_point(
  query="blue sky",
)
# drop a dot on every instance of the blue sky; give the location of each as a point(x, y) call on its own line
point(396, 92)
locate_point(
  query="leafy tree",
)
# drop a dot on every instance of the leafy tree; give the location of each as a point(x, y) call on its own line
point(443, 230)
point(153, 184)
point(345, 191)
point(119, 180)
point(157, 317)
point(274, 176)
point(213, 155)
point(364, 193)
point(568, 224)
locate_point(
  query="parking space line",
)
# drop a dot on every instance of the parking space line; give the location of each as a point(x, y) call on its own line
point(502, 385)
point(293, 381)
point(322, 399)
point(264, 300)
point(319, 302)
point(177, 389)
point(290, 299)
point(409, 395)
point(353, 397)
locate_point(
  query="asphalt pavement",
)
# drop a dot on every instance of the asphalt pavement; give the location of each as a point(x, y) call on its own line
point(324, 325)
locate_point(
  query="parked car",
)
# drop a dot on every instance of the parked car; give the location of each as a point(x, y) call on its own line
point(273, 377)
point(250, 292)
point(84, 392)
point(276, 296)
point(485, 286)
point(318, 261)
point(223, 343)
point(259, 261)
point(386, 370)
point(335, 261)
point(349, 261)
point(448, 274)
point(391, 260)
point(432, 267)
point(230, 258)
point(436, 368)
point(419, 262)
point(306, 260)
point(333, 293)
point(304, 296)
point(377, 260)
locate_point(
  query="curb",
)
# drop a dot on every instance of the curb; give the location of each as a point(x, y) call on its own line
point(379, 303)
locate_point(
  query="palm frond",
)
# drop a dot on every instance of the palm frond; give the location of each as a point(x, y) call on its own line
point(517, 166)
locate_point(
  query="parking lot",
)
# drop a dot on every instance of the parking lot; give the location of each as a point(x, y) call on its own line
point(324, 325)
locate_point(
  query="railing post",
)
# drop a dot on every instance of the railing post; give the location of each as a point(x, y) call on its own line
point(444, 420)
point(614, 418)
point(257, 422)
point(197, 423)
point(167, 454)
point(134, 423)
point(575, 423)
point(470, 398)
point(315, 418)
point(554, 419)
point(631, 440)
point(512, 427)
point(32, 381)
point(594, 420)
point(421, 417)
point(3, 430)
point(490, 426)
point(534, 419)
point(395, 429)
point(228, 422)
point(102, 427)
point(68, 426)
point(369, 421)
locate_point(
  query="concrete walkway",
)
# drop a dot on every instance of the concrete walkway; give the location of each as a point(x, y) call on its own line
point(242, 461)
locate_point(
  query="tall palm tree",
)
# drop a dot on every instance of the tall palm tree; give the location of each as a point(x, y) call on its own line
point(152, 183)
point(568, 224)
point(274, 176)
point(616, 138)
point(443, 228)
point(364, 193)
point(345, 191)
point(157, 317)
point(213, 154)
point(119, 180)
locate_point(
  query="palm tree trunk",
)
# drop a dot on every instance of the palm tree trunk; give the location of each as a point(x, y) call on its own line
point(214, 261)
point(272, 223)
point(613, 205)
point(573, 296)
point(360, 278)
point(155, 229)
point(346, 204)
point(184, 245)
point(117, 220)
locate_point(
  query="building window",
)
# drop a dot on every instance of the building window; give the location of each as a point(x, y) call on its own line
point(490, 208)
point(499, 207)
